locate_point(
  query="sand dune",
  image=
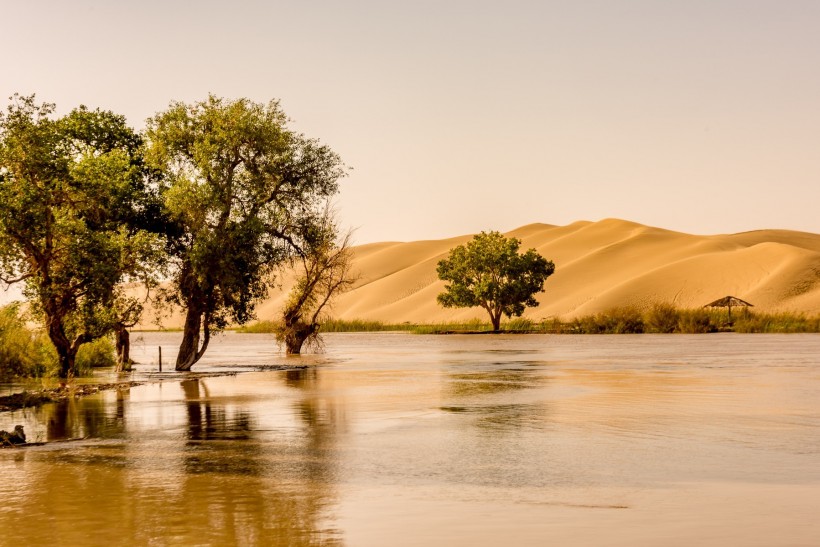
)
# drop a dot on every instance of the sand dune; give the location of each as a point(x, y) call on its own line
point(599, 265)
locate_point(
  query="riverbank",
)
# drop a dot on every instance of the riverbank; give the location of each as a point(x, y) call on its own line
point(25, 399)
point(32, 398)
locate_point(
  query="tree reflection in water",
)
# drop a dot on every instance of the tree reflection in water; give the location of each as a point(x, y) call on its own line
point(227, 479)
point(207, 425)
point(99, 416)
point(324, 419)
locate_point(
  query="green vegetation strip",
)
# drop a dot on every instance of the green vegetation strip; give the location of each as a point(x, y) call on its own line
point(658, 319)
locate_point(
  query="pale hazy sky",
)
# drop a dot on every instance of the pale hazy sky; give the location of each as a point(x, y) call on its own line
point(458, 116)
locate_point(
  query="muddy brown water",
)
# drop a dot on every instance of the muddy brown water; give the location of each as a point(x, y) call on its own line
point(396, 439)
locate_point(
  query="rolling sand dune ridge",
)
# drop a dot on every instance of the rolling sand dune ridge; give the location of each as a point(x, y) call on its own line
point(599, 265)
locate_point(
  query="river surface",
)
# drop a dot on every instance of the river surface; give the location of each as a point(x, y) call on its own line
point(397, 439)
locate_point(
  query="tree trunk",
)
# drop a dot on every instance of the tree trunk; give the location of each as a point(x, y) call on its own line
point(123, 343)
point(496, 320)
point(295, 336)
point(66, 352)
point(67, 363)
point(189, 350)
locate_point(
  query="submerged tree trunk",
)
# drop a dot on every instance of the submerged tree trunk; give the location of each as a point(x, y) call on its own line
point(189, 350)
point(296, 334)
point(123, 343)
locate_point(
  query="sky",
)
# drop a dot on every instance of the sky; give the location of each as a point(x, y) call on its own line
point(460, 116)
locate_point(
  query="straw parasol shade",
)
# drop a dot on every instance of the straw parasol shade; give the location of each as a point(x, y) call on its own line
point(728, 302)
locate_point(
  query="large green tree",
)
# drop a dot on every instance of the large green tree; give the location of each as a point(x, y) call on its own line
point(489, 272)
point(73, 194)
point(240, 183)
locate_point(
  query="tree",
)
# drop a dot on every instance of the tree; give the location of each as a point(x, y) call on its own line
point(488, 272)
point(324, 271)
point(73, 191)
point(128, 311)
point(240, 184)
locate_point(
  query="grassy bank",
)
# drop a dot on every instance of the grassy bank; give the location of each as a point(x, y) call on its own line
point(658, 319)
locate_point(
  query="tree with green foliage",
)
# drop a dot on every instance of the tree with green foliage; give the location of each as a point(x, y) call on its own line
point(488, 272)
point(323, 271)
point(240, 184)
point(74, 192)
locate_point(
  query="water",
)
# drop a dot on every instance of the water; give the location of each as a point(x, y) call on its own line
point(393, 439)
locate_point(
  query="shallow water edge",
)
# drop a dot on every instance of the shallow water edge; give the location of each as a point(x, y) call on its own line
point(457, 440)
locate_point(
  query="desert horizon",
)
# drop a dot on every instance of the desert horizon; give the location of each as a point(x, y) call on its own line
point(600, 265)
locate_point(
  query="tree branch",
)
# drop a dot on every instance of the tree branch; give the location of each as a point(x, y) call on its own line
point(8, 281)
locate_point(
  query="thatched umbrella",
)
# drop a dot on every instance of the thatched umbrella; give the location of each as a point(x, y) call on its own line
point(728, 302)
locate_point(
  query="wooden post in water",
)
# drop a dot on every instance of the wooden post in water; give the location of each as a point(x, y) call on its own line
point(160, 358)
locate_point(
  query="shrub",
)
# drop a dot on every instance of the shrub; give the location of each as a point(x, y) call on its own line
point(781, 322)
point(258, 327)
point(662, 318)
point(95, 354)
point(696, 321)
point(588, 324)
point(624, 321)
point(613, 321)
point(23, 352)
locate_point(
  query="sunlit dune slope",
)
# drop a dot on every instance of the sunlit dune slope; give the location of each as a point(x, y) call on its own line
point(599, 265)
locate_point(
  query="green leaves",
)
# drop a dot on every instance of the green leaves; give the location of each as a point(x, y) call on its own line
point(72, 189)
point(85, 201)
point(241, 186)
point(488, 272)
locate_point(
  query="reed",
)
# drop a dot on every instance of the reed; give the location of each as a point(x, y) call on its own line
point(452, 327)
point(777, 323)
point(360, 325)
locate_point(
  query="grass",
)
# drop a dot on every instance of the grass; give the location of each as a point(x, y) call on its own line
point(359, 325)
point(662, 318)
point(780, 322)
